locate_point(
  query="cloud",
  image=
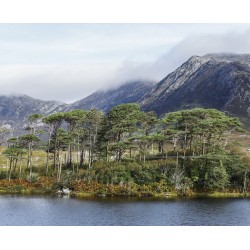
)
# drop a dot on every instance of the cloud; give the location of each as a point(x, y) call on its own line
point(70, 82)
point(62, 82)
point(232, 42)
point(67, 63)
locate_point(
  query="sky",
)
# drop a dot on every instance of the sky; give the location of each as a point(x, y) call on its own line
point(67, 62)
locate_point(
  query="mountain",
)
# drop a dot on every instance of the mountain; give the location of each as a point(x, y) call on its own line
point(15, 109)
point(105, 100)
point(220, 81)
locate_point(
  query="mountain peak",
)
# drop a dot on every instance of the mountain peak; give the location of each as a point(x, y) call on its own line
point(127, 92)
point(219, 81)
point(232, 57)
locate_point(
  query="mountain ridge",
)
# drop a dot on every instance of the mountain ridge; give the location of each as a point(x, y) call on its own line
point(15, 109)
point(220, 81)
point(215, 80)
point(106, 99)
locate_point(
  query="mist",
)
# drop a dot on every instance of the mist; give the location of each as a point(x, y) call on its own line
point(233, 42)
point(69, 82)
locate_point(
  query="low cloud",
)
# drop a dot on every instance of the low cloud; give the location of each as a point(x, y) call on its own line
point(233, 42)
point(66, 83)
point(71, 82)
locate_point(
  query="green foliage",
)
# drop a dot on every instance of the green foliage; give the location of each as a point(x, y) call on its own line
point(201, 131)
point(208, 173)
point(54, 119)
point(128, 151)
point(121, 122)
point(26, 139)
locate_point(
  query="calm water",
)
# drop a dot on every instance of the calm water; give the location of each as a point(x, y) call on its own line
point(64, 211)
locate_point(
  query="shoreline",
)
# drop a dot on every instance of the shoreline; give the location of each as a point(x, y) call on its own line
point(82, 194)
point(168, 196)
point(49, 186)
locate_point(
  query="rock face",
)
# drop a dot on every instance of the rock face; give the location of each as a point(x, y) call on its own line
point(15, 109)
point(105, 100)
point(220, 81)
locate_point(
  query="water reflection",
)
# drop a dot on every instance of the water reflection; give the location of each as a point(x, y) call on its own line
point(60, 211)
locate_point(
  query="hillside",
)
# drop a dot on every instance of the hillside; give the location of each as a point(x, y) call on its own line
point(220, 81)
point(105, 100)
point(14, 109)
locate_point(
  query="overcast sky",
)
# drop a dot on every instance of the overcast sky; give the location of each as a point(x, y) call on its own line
point(67, 62)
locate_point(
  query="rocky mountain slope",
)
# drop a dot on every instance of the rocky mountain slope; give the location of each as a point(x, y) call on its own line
point(15, 109)
point(220, 81)
point(105, 100)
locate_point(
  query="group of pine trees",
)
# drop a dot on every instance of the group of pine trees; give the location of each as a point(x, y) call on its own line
point(193, 144)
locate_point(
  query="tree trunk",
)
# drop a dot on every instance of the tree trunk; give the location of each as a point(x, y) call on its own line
point(59, 167)
point(69, 155)
point(47, 159)
point(89, 158)
point(15, 164)
point(29, 150)
point(55, 151)
point(245, 183)
point(31, 163)
point(162, 147)
point(175, 143)
point(177, 159)
point(20, 168)
point(203, 144)
point(159, 147)
point(120, 156)
point(107, 152)
point(81, 157)
point(10, 168)
point(78, 153)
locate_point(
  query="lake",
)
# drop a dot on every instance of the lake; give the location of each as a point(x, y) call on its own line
point(103, 211)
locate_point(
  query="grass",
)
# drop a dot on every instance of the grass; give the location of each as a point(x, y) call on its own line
point(45, 185)
point(83, 189)
point(241, 141)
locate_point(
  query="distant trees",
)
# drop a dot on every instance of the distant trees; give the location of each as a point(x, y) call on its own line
point(92, 124)
point(14, 153)
point(27, 142)
point(245, 171)
point(17, 147)
point(54, 122)
point(75, 120)
point(199, 131)
point(5, 133)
